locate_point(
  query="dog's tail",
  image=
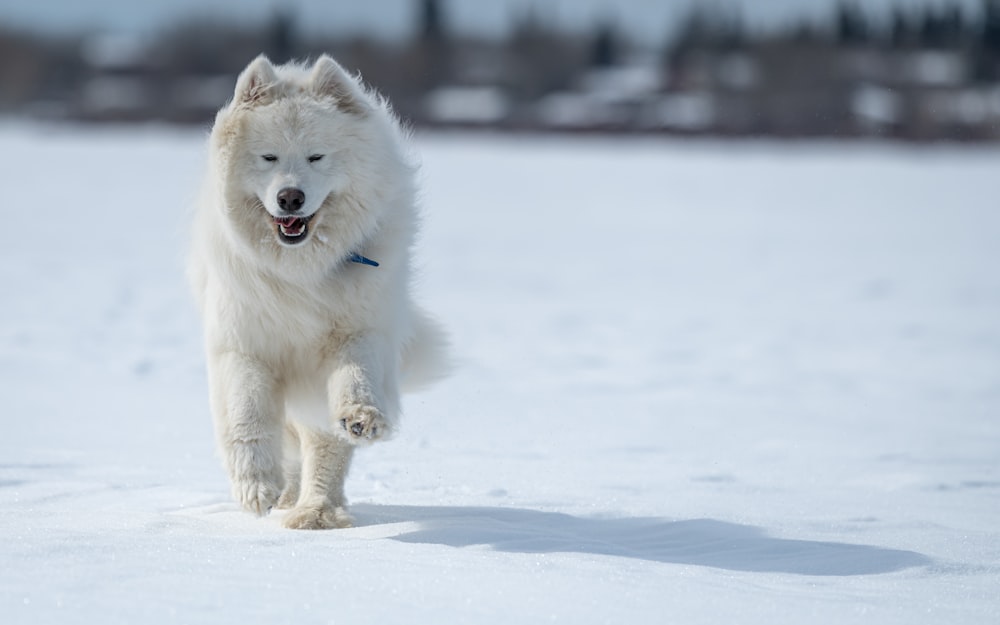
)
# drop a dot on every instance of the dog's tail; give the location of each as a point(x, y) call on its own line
point(426, 357)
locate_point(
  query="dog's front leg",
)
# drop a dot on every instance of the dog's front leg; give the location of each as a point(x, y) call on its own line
point(364, 397)
point(248, 424)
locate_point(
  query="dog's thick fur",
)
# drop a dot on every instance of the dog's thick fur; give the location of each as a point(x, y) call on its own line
point(306, 349)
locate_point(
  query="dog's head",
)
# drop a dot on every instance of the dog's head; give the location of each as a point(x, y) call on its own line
point(292, 142)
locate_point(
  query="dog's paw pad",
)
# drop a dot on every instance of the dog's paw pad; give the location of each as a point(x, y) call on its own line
point(363, 424)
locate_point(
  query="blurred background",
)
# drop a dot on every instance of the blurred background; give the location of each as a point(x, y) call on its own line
point(915, 70)
point(787, 351)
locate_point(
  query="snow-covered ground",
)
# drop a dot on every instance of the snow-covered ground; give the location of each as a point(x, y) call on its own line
point(698, 383)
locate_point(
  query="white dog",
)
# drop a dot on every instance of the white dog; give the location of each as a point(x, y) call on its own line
point(301, 266)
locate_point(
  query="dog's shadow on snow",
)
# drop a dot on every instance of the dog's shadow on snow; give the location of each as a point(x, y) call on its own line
point(702, 542)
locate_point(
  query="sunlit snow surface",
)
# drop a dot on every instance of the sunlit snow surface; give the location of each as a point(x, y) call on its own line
point(696, 383)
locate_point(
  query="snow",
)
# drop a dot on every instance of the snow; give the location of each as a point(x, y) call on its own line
point(698, 383)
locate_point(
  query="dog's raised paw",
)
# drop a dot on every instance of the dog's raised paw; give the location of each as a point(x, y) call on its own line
point(362, 424)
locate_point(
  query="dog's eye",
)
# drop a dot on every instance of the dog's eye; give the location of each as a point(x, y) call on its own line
point(270, 158)
point(315, 157)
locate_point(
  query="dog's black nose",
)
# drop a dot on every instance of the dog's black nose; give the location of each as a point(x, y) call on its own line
point(291, 199)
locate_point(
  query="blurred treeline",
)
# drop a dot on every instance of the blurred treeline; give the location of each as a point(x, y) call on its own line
point(925, 73)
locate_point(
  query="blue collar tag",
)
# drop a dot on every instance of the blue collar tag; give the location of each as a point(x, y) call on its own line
point(362, 260)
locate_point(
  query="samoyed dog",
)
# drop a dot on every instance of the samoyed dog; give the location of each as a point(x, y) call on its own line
point(300, 263)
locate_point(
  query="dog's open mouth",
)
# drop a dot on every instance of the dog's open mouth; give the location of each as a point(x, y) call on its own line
point(292, 230)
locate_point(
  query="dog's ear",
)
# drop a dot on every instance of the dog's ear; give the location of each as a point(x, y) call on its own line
point(256, 83)
point(331, 80)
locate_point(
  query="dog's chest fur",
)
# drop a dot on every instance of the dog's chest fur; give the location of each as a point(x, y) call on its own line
point(281, 320)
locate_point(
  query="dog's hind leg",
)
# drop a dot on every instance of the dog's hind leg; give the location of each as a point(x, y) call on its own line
point(321, 503)
point(292, 463)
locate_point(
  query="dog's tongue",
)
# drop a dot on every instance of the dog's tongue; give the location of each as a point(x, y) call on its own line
point(290, 226)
